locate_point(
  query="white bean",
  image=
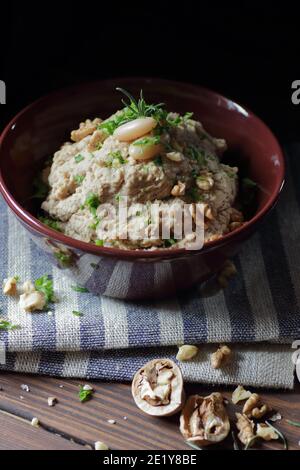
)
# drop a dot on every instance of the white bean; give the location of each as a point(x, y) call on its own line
point(134, 129)
point(144, 152)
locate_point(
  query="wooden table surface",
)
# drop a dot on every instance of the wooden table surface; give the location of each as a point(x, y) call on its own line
point(71, 425)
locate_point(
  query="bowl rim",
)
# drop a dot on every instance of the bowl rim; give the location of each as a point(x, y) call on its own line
point(140, 253)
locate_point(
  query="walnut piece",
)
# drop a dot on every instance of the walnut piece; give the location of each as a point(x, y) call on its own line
point(220, 357)
point(157, 388)
point(85, 128)
point(10, 286)
point(186, 352)
point(254, 408)
point(35, 422)
point(28, 287)
point(204, 420)
point(205, 180)
point(96, 140)
point(245, 427)
point(32, 301)
point(175, 156)
point(251, 403)
point(52, 401)
point(266, 432)
point(178, 189)
point(220, 144)
point(100, 446)
point(260, 412)
point(240, 394)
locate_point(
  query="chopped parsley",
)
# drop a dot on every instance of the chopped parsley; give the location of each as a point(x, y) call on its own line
point(196, 154)
point(50, 222)
point(7, 325)
point(77, 314)
point(99, 145)
point(145, 141)
point(99, 242)
point(79, 178)
point(195, 195)
point(95, 224)
point(158, 161)
point(173, 122)
point(94, 265)
point(78, 158)
point(45, 285)
point(169, 242)
point(80, 289)
point(84, 395)
point(168, 147)
point(115, 159)
point(231, 173)
point(188, 116)
point(92, 202)
point(65, 259)
point(110, 125)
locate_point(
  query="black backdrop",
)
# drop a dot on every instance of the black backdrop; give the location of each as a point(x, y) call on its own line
point(249, 53)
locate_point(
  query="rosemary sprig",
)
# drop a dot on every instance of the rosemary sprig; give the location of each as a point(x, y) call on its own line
point(193, 445)
point(235, 442)
point(251, 442)
point(79, 289)
point(293, 423)
point(282, 437)
point(140, 108)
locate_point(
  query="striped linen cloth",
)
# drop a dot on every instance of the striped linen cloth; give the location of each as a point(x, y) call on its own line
point(114, 337)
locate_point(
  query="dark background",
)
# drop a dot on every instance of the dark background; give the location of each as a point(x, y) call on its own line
point(249, 53)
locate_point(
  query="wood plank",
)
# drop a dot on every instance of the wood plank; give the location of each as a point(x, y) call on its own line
point(87, 422)
point(18, 434)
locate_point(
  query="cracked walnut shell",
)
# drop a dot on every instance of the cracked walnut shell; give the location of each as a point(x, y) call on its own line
point(157, 388)
point(240, 394)
point(204, 420)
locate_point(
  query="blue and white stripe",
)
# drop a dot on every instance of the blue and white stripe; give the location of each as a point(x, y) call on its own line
point(261, 304)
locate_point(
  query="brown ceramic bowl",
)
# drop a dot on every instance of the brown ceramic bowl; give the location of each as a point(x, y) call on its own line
point(40, 129)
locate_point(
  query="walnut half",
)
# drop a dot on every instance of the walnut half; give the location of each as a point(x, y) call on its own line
point(157, 388)
point(204, 420)
point(245, 427)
